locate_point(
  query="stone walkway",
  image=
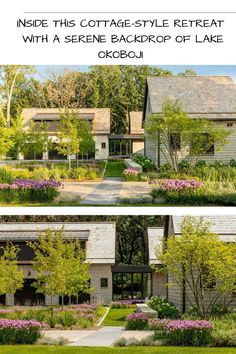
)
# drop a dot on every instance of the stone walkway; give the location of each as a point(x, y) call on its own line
point(103, 337)
point(109, 191)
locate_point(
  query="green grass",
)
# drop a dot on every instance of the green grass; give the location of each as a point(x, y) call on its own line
point(114, 168)
point(116, 317)
point(40, 349)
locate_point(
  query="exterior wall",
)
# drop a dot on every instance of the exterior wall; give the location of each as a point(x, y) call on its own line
point(175, 293)
point(159, 284)
point(101, 153)
point(98, 271)
point(138, 147)
point(225, 155)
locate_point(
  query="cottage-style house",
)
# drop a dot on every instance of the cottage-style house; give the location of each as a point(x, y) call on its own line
point(98, 241)
point(99, 118)
point(208, 97)
point(224, 226)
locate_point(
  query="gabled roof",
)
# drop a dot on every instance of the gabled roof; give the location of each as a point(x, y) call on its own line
point(212, 97)
point(100, 237)
point(155, 235)
point(224, 226)
point(136, 123)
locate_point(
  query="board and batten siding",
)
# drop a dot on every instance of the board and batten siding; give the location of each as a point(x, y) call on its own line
point(226, 154)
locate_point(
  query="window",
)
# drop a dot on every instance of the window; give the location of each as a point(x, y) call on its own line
point(104, 283)
point(104, 145)
point(175, 141)
point(230, 124)
point(207, 281)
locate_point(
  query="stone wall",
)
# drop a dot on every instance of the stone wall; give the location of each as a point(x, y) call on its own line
point(98, 271)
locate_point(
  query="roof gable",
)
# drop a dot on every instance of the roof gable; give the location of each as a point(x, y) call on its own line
point(197, 94)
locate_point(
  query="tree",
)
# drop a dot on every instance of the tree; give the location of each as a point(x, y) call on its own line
point(200, 262)
point(19, 137)
point(12, 278)
point(60, 265)
point(67, 134)
point(87, 143)
point(77, 270)
point(6, 142)
point(10, 77)
point(36, 140)
point(179, 137)
point(188, 72)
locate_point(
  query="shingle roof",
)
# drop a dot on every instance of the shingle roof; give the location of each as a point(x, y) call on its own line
point(155, 235)
point(201, 95)
point(136, 123)
point(225, 226)
point(100, 247)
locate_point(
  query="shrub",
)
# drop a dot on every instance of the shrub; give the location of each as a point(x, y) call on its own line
point(29, 191)
point(201, 163)
point(20, 331)
point(78, 173)
point(131, 174)
point(177, 184)
point(166, 167)
point(185, 332)
point(184, 166)
point(41, 173)
point(164, 308)
point(136, 321)
point(147, 164)
point(232, 163)
point(66, 318)
point(6, 175)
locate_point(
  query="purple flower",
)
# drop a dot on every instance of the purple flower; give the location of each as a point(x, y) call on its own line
point(139, 316)
point(31, 184)
point(21, 324)
point(174, 325)
point(177, 184)
point(130, 172)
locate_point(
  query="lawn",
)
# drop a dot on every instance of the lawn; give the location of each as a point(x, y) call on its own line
point(114, 168)
point(116, 317)
point(39, 349)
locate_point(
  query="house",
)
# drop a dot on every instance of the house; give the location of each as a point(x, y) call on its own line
point(208, 97)
point(225, 227)
point(99, 118)
point(130, 143)
point(92, 236)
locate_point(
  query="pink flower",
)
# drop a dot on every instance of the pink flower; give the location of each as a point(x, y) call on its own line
point(130, 172)
point(177, 184)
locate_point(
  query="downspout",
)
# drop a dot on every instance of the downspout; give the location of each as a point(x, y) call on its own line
point(183, 293)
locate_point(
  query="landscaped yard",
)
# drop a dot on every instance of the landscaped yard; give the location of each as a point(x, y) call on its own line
point(114, 168)
point(116, 317)
point(40, 349)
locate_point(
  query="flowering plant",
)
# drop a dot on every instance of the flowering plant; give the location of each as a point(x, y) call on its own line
point(131, 174)
point(183, 332)
point(20, 331)
point(136, 321)
point(177, 184)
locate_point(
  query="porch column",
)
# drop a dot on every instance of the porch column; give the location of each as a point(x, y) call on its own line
point(45, 155)
point(55, 300)
point(10, 300)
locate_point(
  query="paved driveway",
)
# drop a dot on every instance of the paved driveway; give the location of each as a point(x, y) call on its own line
point(109, 191)
point(103, 337)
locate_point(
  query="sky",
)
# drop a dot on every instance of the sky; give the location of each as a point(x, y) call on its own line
point(229, 70)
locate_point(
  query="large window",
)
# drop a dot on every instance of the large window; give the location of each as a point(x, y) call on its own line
point(175, 141)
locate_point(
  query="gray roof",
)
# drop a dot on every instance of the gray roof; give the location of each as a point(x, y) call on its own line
point(155, 235)
point(213, 97)
point(224, 226)
point(100, 245)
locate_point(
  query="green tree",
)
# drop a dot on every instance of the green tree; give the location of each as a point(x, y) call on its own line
point(6, 142)
point(19, 137)
point(36, 140)
point(85, 135)
point(77, 270)
point(179, 137)
point(188, 72)
point(60, 265)
point(198, 260)
point(67, 134)
point(11, 76)
point(12, 277)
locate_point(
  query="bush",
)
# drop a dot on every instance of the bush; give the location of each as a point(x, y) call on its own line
point(185, 332)
point(131, 174)
point(136, 321)
point(164, 308)
point(224, 332)
point(6, 175)
point(29, 191)
point(232, 163)
point(166, 167)
point(201, 163)
point(66, 319)
point(20, 331)
point(184, 166)
point(147, 164)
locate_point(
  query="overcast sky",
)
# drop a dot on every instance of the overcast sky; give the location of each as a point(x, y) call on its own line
point(200, 69)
